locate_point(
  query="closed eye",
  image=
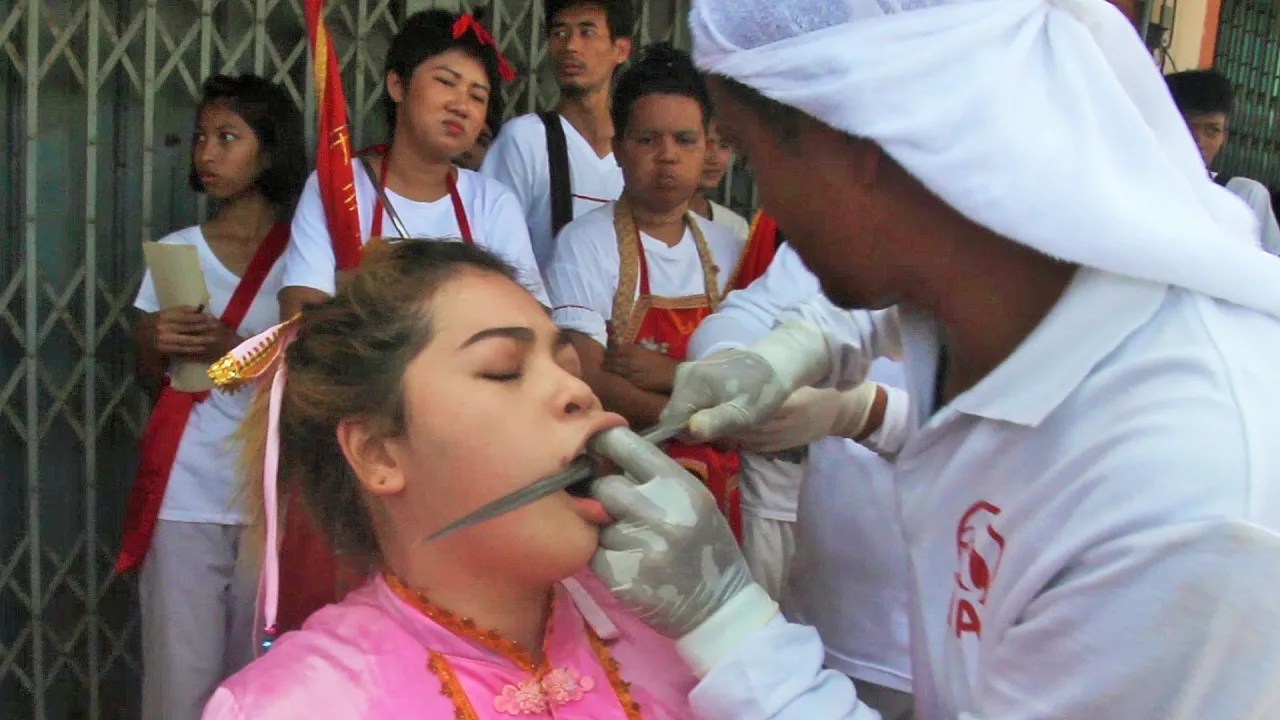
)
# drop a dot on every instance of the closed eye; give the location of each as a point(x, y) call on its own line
point(503, 377)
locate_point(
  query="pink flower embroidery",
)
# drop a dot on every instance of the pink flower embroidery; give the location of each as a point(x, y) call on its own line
point(558, 687)
point(564, 685)
point(527, 697)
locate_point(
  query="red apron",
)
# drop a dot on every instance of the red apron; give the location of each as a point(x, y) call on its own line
point(666, 324)
point(311, 573)
point(451, 181)
point(158, 446)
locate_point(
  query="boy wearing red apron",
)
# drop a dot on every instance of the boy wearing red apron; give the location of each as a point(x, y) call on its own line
point(632, 280)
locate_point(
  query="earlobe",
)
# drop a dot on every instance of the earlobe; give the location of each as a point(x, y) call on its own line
point(371, 457)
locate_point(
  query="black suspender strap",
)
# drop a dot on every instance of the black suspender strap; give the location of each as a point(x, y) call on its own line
point(558, 164)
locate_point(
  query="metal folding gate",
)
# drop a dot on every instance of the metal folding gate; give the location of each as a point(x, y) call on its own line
point(1248, 52)
point(96, 110)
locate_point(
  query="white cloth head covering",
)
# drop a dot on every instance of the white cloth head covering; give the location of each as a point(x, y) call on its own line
point(1045, 121)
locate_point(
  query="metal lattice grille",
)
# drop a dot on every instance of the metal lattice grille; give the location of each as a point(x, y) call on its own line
point(1248, 52)
point(96, 105)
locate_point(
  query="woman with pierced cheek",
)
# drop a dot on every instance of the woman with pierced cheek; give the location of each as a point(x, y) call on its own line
point(431, 385)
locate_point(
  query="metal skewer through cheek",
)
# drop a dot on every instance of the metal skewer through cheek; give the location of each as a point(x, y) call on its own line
point(618, 444)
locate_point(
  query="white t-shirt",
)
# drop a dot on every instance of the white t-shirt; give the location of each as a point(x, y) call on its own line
point(203, 484)
point(492, 213)
point(1256, 195)
point(729, 218)
point(1094, 528)
point(518, 159)
point(849, 576)
point(583, 275)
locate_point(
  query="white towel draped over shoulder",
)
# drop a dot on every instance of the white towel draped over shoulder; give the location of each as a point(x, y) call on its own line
point(1045, 121)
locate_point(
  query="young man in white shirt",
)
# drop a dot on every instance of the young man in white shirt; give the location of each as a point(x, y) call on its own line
point(587, 41)
point(719, 160)
point(1091, 492)
point(1206, 101)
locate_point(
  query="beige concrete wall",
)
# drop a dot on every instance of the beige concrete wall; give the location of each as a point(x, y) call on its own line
point(1188, 34)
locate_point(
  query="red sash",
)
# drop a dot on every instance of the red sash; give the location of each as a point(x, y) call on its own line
point(762, 244)
point(158, 446)
point(312, 575)
point(459, 211)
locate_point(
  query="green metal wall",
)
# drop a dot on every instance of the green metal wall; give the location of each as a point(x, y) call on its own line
point(96, 108)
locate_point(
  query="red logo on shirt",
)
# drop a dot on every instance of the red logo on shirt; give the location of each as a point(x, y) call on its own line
point(979, 549)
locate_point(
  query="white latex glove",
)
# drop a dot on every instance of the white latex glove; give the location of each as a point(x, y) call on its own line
point(670, 558)
point(809, 415)
point(736, 389)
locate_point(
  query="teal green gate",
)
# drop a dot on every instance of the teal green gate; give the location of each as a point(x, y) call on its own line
point(1248, 52)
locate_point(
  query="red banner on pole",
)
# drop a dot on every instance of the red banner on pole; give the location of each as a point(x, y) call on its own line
point(333, 144)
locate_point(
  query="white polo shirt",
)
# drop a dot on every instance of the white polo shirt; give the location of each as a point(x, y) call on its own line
point(518, 160)
point(1092, 528)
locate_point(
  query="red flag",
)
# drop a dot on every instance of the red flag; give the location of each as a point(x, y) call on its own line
point(333, 144)
point(762, 243)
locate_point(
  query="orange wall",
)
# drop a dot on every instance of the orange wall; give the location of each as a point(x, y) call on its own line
point(1212, 11)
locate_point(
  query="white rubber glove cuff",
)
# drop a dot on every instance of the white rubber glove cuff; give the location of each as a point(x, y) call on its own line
point(892, 434)
point(743, 614)
point(797, 351)
point(855, 405)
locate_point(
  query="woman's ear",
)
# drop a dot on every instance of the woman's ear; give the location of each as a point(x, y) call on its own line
point(372, 457)
point(395, 86)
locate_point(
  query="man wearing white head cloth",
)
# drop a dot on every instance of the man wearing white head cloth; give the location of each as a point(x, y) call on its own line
point(1090, 494)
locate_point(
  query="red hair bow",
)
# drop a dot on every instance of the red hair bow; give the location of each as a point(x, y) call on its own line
point(467, 21)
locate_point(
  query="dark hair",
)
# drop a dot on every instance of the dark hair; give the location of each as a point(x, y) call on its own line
point(348, 359)
point(664, 70)
point(1201, 91)
point(269, 111)
point(619, 15)
point(427, 34)
point(784, 120)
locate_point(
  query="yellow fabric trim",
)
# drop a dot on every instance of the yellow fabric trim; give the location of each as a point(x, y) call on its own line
point(450, 687)
point(628, 309)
